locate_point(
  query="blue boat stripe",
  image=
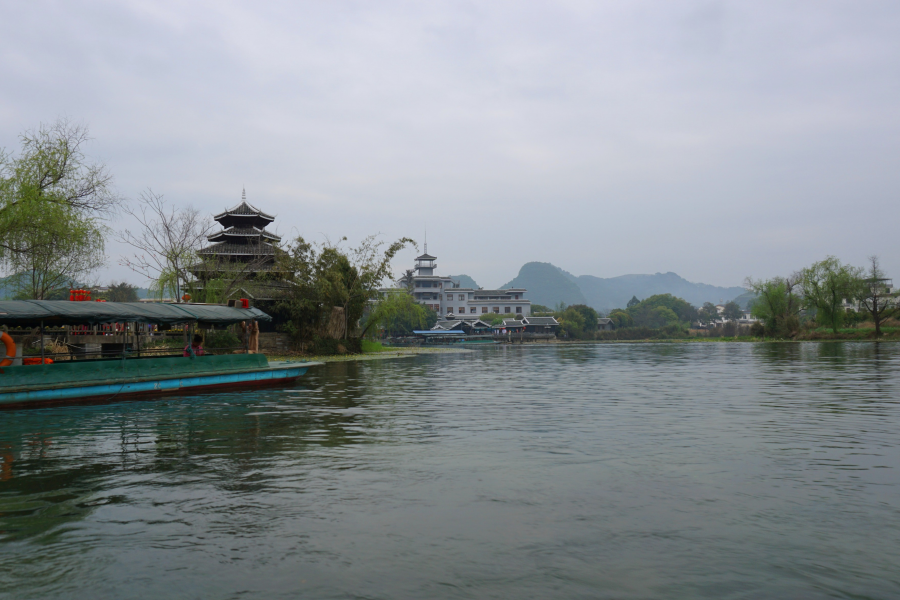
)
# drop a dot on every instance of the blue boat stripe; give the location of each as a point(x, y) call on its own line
point(149, 386)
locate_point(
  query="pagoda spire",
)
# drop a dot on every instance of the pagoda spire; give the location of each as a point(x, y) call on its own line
point(244, 194)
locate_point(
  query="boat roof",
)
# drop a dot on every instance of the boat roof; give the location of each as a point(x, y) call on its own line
point(64, 312)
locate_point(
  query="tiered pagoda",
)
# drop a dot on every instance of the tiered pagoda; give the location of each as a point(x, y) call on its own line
point(242, 248)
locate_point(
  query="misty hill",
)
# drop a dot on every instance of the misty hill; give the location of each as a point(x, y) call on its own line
point(8, 289)
point(615, 292)
point(464, 281)
point(550, 285)
point(547, 285)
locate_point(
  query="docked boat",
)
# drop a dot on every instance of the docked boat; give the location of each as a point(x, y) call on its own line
point(42, 379)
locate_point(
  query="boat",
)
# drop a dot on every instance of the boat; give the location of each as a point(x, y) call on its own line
point(131, 372)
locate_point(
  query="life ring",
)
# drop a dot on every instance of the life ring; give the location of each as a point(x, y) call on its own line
point(10, 349)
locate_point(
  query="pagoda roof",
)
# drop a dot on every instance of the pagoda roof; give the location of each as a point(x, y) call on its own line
point(426, 257)
point(231, 248)
point(242, 232)
point(244, 209)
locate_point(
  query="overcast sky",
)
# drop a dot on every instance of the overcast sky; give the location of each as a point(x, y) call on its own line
point(713, 139)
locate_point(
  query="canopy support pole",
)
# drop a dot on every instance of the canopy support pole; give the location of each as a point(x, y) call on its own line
point(42, 341)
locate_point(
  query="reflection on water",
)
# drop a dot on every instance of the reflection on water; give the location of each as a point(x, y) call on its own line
point(601, 471)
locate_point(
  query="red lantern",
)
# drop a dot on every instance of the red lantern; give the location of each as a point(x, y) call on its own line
point(71, 295)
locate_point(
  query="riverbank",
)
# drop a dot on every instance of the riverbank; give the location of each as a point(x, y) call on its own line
point(378, 355)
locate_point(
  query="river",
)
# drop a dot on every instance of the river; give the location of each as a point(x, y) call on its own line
point(694, 470)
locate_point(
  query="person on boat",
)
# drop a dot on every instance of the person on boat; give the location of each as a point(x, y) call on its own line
point(195, 348)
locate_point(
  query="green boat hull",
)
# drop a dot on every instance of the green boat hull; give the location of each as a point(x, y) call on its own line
point(102, 380)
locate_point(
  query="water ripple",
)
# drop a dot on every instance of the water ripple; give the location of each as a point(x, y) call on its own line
point(592, 471)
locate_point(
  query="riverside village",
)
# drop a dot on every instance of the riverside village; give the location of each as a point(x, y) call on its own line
point(450, 300)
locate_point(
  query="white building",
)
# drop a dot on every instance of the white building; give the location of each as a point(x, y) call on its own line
point(445, 297)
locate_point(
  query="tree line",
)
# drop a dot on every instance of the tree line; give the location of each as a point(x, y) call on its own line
point(821, 294)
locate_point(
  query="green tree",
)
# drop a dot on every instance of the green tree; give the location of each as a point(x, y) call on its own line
point(645, 314)
point(777, 304)
point(52, 201)
point(661, 316)
point(633, 302)
point(733, 311)
point(589, 316)
point(398, 313)
point(56, 262)
point(572, 323)
point(326, 276)
point(122, 292)
point(495, 318)
point(708, 313)
point(621, 318)
point(825, 285)
point(539, 308)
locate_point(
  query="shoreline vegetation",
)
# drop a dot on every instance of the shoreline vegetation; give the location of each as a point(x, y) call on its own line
point(385, 352)
point(377, 351)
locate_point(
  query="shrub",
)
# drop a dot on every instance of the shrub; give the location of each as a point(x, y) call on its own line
point(326, 346)
point(221, 339)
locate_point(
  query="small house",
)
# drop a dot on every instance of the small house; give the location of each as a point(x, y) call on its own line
point(605, 324)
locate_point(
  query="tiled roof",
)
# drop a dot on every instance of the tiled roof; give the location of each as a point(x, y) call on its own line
point(244, 209)
point(540, 321)
point(242, 232)
point(263, 249)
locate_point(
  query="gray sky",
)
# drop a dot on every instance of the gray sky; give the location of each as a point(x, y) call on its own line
point(713, 139)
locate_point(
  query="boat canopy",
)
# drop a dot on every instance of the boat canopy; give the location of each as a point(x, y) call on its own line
point(63, 312)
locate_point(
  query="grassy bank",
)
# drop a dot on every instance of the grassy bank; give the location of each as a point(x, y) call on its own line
point(381, 352)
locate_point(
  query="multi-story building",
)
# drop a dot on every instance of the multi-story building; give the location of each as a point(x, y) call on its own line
point(446, 297)
point(241, 256)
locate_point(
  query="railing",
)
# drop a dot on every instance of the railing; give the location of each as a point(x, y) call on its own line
point(129, 354)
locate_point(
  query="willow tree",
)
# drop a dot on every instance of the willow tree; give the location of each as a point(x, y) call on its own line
point(56, 261)
point(52, 203)
point(777, 304)
point(826, 284)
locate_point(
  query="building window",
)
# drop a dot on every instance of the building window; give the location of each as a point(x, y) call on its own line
point(450, 297)
point(462, 296)
point(506, 309)
point(449, 310)
point(472, 310)
point(483, 309)
point(462, 310)
point(518, 310)
point(517, 296)
point(496, 310)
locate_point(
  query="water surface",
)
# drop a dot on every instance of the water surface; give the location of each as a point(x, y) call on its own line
point(594, 471)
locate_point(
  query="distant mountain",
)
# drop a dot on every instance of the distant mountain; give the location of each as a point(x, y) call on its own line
point(615, 292)
point(745, 299)
point(464, 281)
point(547, 285)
